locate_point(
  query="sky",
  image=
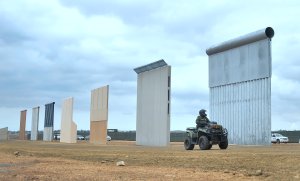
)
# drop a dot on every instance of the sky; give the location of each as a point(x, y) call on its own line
point(54, 49)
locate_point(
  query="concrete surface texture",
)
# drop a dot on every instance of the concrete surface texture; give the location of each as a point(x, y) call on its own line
point(68, 131)
point(4, 134)
point(35, 123)
point(153, 107)
point(99, 115)
point(48, 124)
point(22, 135)
point(240, 88)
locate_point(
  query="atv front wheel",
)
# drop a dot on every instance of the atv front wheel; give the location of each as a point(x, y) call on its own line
point(188, 144)
point(203, 143)
point(223, 145)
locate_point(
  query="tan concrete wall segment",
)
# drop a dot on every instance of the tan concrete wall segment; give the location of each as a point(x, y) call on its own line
point(68, 133)
point(22, 135)
point(99, 115)
point(73, 132)
point(98, 132)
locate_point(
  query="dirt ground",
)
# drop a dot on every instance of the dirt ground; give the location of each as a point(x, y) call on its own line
point(37, 160)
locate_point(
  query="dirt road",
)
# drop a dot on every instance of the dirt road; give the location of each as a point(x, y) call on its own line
point(28, 160)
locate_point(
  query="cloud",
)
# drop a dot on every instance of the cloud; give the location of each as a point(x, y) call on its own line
point(55, 49)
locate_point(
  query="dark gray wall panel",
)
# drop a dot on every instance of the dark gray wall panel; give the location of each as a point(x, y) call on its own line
point(49, 120)
point(49, 115)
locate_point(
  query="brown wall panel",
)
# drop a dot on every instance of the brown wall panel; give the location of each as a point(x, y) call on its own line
point(22, 135)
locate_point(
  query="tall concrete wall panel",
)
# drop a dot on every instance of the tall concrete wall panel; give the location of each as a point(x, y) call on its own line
point(240, 87)
point(49, 120)
point(99, 115)
point(153, 107)
point(22, 132)
point(68, 132)
point(4, 134)
point(35, 123)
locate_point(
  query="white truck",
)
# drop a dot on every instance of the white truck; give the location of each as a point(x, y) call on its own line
point(278, 138)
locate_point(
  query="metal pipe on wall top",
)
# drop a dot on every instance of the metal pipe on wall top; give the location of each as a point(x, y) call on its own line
point(242, 40)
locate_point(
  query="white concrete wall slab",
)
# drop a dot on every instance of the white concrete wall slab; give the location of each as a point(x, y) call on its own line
point(68, 131)
point(35, 123)
point(153, 107)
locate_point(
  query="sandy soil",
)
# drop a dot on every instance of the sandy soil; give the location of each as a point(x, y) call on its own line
point(28, 160)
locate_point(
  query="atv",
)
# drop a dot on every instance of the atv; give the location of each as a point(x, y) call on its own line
point(206, 136)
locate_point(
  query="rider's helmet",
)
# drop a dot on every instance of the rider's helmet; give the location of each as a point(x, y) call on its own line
point(202, 113)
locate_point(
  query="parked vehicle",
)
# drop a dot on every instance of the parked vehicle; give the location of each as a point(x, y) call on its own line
point(80, 137)
point(108, 138)
point(56, 137)
point(279, 138)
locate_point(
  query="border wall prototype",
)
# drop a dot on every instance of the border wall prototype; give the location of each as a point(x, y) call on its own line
point(22, 132)
point(35, 123)
point(99, 115)
point(153, 104)
point(48, 124)
point(4, 134)
point(240, 87)
point(68, 132)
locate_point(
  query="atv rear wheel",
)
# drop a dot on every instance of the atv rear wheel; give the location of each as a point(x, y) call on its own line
point(204, 143)
point(188, 144)
point(223, 145)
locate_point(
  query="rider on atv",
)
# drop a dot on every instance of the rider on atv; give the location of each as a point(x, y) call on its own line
point(202, 119)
